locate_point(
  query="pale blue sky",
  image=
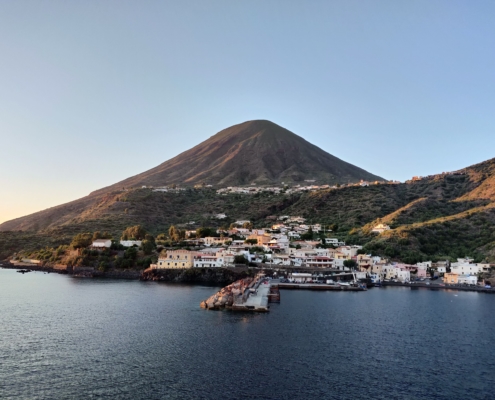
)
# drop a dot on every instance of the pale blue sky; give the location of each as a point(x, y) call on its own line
point(93, 92)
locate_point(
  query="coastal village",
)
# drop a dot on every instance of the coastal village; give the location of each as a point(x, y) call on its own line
point(285, 246)
point(305, 253)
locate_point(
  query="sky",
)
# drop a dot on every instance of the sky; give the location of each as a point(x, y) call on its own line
point(94, 92)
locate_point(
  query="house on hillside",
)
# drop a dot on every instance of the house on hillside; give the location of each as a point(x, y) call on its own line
point(130, 243)
point(380, 228)
point(216, 241)
point(102, 243)
point(334, 242)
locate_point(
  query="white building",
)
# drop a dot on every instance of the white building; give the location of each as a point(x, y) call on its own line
point(130, 243)
point(465, 269)
point(102, 243)
point(242, 222)
point(424, 265)
point(205, 260)
point(334, 242)
point(349, 251)
point(467, 279)
point(403, 275)
point(215, 241)
point(299, 277)
point(380, 228)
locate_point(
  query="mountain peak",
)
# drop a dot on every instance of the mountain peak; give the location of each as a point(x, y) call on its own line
point(258, 151)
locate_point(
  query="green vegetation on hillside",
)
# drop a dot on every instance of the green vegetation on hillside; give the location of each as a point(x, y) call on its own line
point(436, 217)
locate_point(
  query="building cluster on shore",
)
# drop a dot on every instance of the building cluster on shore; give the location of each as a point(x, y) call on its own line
point(254, 189)
point(281, 246)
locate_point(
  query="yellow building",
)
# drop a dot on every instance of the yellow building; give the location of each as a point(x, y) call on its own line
point(262, 239)
point(451, 278)
point(176, 259)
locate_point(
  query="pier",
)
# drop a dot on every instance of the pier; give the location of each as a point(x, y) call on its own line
point(245, 295)
point(321, 286)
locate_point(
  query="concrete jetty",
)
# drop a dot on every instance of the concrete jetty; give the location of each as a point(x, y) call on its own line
point(245, 295)
point(321, 286)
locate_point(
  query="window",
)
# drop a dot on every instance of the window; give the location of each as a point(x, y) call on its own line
point(176, 264)
point(183, 264)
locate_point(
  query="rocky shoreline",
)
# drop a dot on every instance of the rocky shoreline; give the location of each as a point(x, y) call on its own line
point(212, 276)
point(216, 276)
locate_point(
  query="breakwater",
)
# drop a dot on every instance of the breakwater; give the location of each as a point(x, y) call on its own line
point(245, 295)
point(322, 286)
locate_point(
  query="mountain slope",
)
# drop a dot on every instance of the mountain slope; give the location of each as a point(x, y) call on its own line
point(448, 215)
point(254, 151)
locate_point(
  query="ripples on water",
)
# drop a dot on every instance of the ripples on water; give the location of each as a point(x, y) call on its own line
point(75, 338)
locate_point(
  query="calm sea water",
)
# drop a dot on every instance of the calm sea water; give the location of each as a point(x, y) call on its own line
point(66, 338)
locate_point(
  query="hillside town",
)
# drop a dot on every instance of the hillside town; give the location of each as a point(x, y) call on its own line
point(289, 244)
point(304, 252)
point(308, 186)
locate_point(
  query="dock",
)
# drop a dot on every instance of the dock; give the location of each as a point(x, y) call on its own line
point(321, 286)
point(256, 297)
point(248, 294)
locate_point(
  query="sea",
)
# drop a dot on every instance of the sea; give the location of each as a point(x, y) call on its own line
point(74, 338)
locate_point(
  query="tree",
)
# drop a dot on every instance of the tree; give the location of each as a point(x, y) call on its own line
point(204, 232)
point(103, 265)
point(130, 253)
point(81, 240)
point(308, 235)
point(173, 233)
point(251, 241)
point(134, 233)
point(148, 246)
point(247, 225)
point(240, 259)
point(351, 264)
